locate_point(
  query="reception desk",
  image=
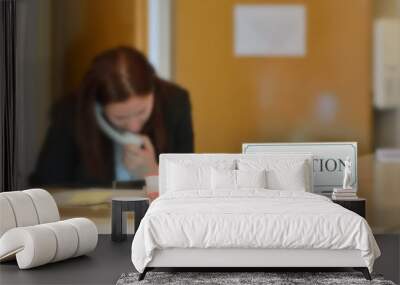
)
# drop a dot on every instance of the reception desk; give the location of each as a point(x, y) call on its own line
point(379, 183)
point(93, 203)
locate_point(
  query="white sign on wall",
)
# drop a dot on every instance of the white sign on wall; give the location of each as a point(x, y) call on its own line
point(328, 160)
point(269, 30)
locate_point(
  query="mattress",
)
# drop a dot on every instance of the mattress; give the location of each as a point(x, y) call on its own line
point(250, 219)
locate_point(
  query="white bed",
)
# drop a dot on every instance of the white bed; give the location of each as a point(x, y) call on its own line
point(247, 227)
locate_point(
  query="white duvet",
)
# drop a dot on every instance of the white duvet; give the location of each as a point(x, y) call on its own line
point(250, 219)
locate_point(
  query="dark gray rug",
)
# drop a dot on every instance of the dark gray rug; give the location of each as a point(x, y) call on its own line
point(225, 278)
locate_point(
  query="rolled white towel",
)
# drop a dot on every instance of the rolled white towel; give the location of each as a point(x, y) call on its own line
point(7, 218)
point(23, 208)
point(33, 246)
point(87, 234)
point(40, 244)
point(67, 240)
point(45, 205)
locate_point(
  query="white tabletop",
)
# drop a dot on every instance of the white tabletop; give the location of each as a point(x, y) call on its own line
point(130, 199)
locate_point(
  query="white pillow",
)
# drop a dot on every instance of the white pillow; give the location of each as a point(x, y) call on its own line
point(186, 177)
point(290, 179)
point(223, 179)
point(282, 173)
point(251, 178)
point(237, 179)
point(189, 174)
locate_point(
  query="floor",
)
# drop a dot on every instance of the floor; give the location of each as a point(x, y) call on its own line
point(110, 260)
point(389, 262)
point(103, 266)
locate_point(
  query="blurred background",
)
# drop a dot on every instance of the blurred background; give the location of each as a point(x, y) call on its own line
point(341, 82)
point(326, 94)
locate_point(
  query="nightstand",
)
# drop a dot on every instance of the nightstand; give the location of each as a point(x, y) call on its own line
point(120, 205)
point(357, 206)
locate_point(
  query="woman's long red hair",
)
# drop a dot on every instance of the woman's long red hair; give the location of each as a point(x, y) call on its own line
point(114, 76)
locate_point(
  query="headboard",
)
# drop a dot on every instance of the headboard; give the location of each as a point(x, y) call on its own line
point(210, 157)
point(328, 160)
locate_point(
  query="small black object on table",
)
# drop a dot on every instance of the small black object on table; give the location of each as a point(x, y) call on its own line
point(356, 205)
point(120, 205)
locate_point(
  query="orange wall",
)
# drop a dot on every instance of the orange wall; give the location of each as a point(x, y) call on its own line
point(238, 100)
point(84, 28)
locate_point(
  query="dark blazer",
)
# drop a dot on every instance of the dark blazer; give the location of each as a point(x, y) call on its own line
point(59, 162)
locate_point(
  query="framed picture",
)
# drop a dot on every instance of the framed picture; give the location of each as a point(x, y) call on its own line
point(328, 160)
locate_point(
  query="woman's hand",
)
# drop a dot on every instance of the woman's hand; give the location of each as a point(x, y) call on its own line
point(141, 161)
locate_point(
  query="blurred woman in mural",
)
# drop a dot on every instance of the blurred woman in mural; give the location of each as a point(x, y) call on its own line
point(115, 126)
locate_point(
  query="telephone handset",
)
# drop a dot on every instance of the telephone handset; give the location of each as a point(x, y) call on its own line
point(116, 135)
